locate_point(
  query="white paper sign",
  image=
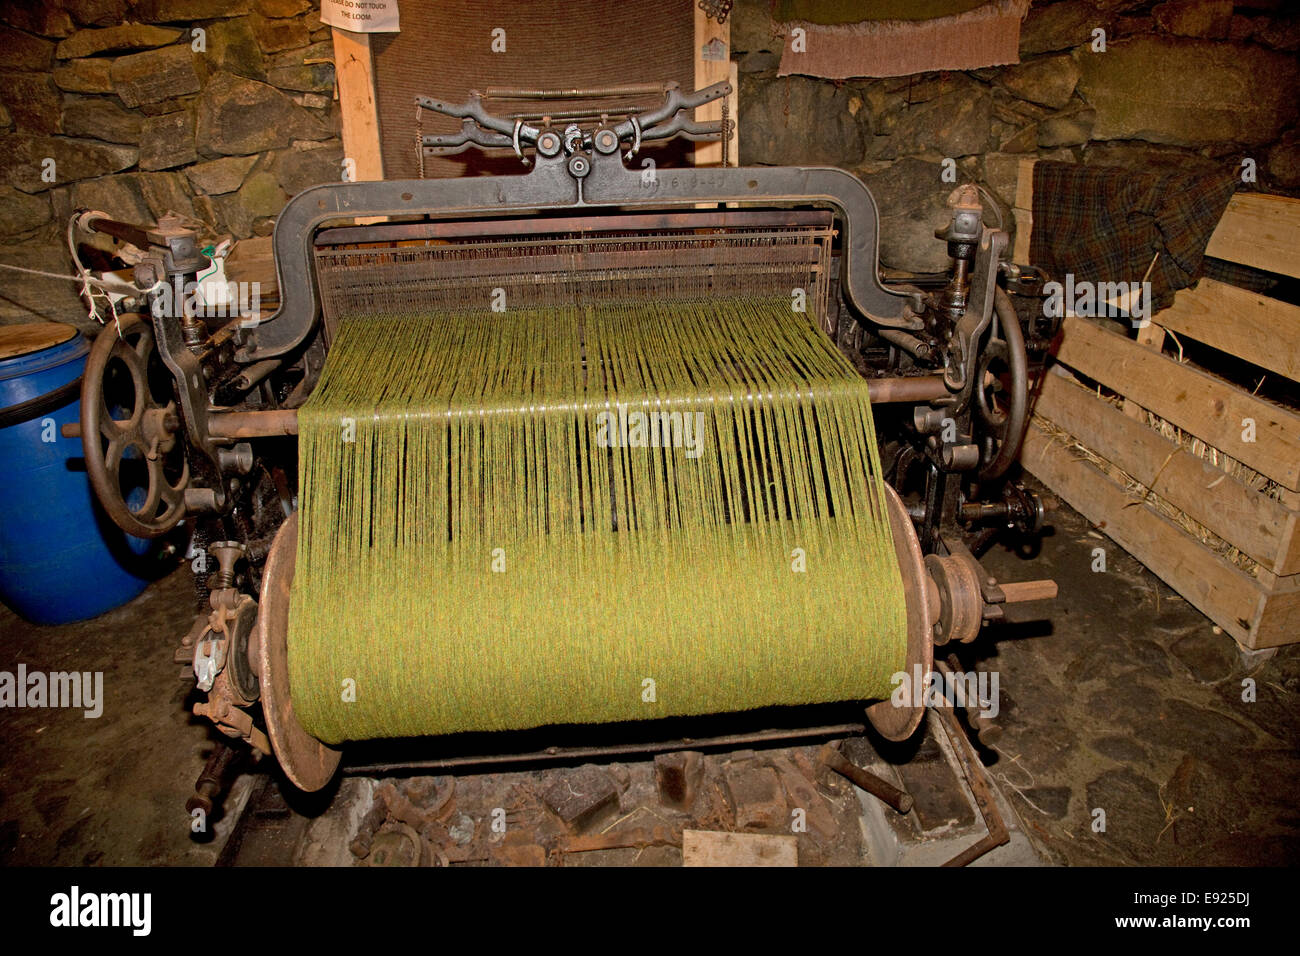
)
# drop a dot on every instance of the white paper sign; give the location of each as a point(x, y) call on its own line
point(361, 16)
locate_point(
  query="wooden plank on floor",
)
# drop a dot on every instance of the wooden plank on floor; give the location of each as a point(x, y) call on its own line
point(1261, 231)
point(1209, 408)
point(1245, 518)
point(1227, 595)
point(710, 848)
point(1245, 324)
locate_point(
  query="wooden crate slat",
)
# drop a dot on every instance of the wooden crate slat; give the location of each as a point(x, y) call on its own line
point(1228, 596)
point(1197, 402)
point(1245, 324)
point(1262, 527)
point(1278, 621)
point(1289, 561)
point(1261, 231)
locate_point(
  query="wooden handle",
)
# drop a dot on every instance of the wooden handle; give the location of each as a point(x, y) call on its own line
point(1021, 591)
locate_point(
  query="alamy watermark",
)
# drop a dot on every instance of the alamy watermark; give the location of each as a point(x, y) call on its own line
point(628, 429)
point(970, 690)
point(77, 909)
point(75, 689)
point(1116, 300)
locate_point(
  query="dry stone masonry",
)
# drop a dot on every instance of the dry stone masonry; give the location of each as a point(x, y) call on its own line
point(219, 110)
point(222, 109)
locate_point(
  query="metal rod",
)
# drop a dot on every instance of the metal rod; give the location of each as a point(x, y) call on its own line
point(534, 225)
point(241, 425)
point(908, 343)
point(979, 788)
point(876, 786)
point(921, 388)
point(568, 753)
point(253, 424)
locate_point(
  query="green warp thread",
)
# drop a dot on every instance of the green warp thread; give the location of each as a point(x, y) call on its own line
point(587, 514)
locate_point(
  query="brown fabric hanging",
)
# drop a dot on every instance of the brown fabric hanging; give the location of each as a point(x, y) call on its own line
point(988, 35)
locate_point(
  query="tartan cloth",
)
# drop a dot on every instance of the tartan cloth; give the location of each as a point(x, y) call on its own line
point(1106, 223)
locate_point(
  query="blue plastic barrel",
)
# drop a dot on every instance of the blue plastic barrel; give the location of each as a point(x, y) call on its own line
point(61, 558)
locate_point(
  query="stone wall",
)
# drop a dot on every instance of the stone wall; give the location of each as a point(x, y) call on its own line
point(218, 110)
point(115, 104)
point(1181, 84)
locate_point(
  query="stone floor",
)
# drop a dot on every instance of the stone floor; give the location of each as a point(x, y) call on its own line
point(1130, 703)
point(1118, 698)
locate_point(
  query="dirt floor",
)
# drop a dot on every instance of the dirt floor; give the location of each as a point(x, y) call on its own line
point(1119, 706)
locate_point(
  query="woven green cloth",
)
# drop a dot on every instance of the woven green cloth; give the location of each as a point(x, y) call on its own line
point(495, 533)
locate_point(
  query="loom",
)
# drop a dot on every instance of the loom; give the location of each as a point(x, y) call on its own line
point(472, 530)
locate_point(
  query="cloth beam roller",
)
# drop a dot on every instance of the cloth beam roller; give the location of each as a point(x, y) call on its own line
point(587, 513)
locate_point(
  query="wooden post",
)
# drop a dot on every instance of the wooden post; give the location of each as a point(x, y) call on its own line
point(708, 72)
point(355, 74)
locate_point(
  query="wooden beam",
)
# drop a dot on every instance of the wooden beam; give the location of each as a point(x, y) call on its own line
point(1245, 324)
point(355, 74)
point(1024, 230)
point(708, 72)
point(1209, 408)
point(1261, 231)
point(1261, 526)
point(1025, 184)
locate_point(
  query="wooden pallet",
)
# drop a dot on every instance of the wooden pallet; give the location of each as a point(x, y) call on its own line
point(1260, 609)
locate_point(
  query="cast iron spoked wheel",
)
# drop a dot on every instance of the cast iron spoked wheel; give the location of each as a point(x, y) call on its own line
point(1001, 393)
point(128, 432)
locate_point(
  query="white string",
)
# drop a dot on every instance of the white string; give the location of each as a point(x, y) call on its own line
point(1015, 761)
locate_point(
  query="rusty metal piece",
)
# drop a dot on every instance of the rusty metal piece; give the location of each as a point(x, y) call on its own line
point(223, 710)
point(629, 839)
point(830, 758)
point(308, 763)
point(396, 844)
point(399, 808)
point(553, 754)
point(961, 604)
point(677, 777)
point(367, 829)
point(227, 554)
point(892, 721)
point(979, 788)
point(985, 729)
point(211, 780)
